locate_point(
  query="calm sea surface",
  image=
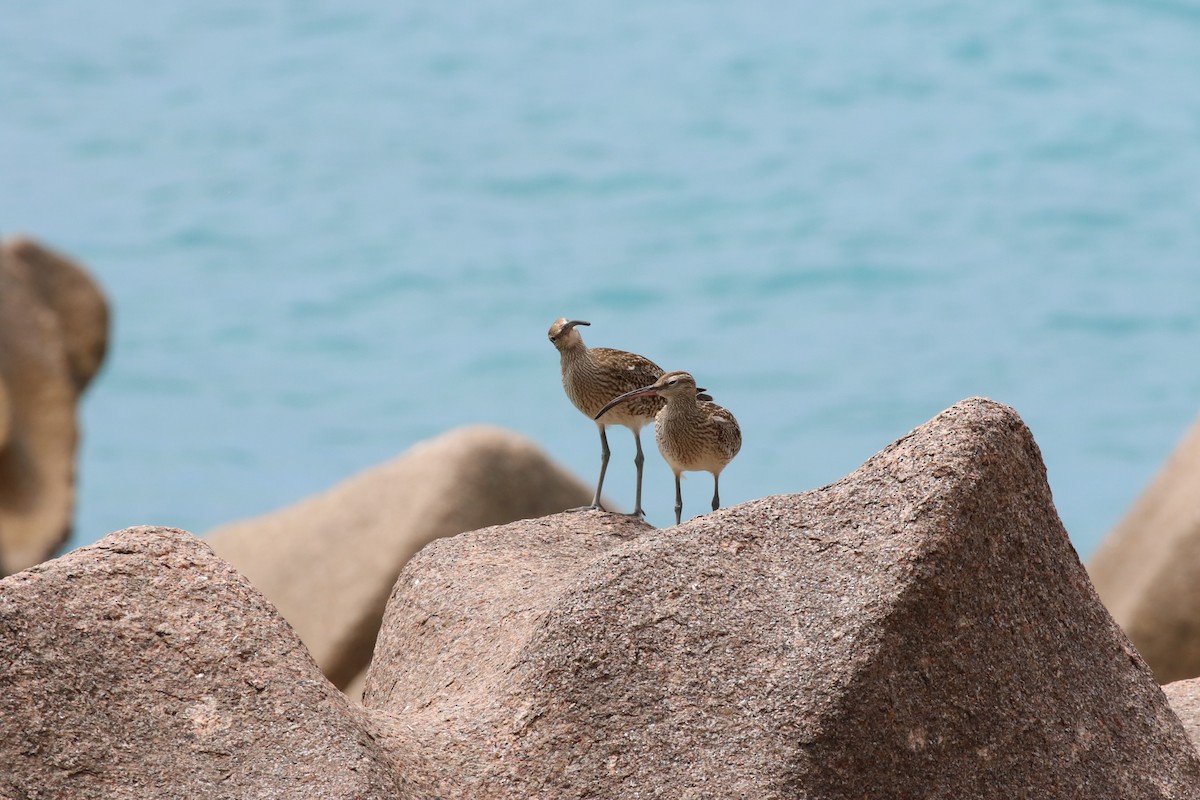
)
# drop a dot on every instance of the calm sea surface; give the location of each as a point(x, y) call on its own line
point(330, 230)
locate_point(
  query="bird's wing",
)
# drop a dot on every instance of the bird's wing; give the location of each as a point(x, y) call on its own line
point(729, 433)
point(640, 370)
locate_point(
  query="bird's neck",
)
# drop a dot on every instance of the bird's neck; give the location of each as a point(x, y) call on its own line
point(576, 356)
point(679, 407)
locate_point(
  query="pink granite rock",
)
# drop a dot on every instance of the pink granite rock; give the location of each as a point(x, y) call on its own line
point(1184, 697)
point(144, 666)
point(922, 628)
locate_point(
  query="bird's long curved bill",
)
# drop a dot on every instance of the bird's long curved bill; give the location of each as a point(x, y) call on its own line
point(645, 390)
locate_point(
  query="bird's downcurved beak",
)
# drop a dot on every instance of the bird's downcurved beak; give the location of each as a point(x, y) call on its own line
point(572, 323)
point(643, 392)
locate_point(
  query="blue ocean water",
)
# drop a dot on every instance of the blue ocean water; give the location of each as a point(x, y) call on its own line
point(330, 230)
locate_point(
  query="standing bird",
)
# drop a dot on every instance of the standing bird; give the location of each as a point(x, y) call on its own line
point(692, 434)
point(591, 377)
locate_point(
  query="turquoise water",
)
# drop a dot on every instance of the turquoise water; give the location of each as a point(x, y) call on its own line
point(332, 230)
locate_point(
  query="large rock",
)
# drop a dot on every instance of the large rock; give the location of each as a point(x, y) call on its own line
point(329, 562)
point(922, 628)
point(53, 335)
point(1147, 570)
point(1184, 697)
point(144, 666)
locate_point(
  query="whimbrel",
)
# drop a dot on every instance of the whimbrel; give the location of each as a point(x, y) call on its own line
point(693, 434)
point(591, 377)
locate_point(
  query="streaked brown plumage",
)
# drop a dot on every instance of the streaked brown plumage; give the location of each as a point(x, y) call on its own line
point(592, 376)
point(693, 434)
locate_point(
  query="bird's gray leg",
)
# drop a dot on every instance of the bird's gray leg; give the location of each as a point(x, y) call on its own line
point(716, 492)
point(678, 500)
point(604, 454)
point(638, 460)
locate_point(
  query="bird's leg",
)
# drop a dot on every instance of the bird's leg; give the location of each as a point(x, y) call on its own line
point(678, 500)
point(638, 460)
point(604, 453)
point(716, 492)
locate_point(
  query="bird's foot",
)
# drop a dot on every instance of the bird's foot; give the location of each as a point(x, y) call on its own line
point(592, 507)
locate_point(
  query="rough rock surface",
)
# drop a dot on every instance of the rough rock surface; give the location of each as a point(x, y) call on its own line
point(922, 628)
point(144, 666)
point(1147, 570)
point(53, 334)
point(1184, 697)
point(329, 562)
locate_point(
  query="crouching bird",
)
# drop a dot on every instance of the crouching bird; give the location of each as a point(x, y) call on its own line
point(693, 434)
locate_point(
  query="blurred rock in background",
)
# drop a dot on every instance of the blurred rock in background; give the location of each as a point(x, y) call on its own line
point(1148, 569)
point(53, 336)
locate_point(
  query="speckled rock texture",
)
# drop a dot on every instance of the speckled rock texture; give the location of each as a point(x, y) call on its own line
point(1184, 697)
point(144, 666)
point(920, 629)
point(329, 562)
point(53, 335)
point(1147, 570)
